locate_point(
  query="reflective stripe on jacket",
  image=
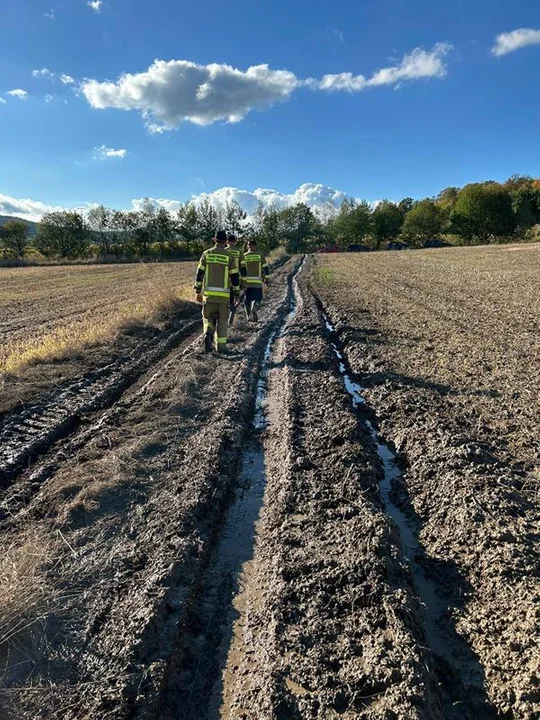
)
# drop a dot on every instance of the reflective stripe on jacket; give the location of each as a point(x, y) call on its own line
point(216, 272)
point(238, 255)
point(256, 268)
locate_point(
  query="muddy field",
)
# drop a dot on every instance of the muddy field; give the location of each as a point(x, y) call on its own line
point(65, 323)
point(446, 347)
point(319, 525)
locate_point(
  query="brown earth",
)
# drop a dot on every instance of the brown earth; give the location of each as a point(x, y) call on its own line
point(446, 345)
point(139, 583)
point(127, 517)
point(58, 323)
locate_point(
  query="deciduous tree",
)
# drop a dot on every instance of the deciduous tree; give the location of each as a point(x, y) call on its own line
point(483, 211)
point(387, 220)
point(423, 222)
point(63, 234)
point(14, 238)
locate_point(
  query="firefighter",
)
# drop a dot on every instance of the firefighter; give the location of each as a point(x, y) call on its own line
point(216, 274)
point(238, 254)
point(257, 272)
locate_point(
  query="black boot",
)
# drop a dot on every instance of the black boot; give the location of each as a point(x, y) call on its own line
point(208, 342)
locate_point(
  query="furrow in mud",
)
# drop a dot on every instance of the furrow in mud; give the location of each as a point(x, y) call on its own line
point(316, 615)
point(31, 431)
point(476, 531)
point(132, 516)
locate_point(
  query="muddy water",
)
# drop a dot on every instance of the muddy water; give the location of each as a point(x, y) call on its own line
point(426, 589)
point(231, 570)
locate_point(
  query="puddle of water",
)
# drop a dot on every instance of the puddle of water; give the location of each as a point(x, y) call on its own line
point(232, 565)
point(426, 589)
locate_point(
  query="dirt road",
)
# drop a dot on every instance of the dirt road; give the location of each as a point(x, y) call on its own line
point(229, 538)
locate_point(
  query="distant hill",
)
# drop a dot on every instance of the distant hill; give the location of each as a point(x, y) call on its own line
point(33, 226)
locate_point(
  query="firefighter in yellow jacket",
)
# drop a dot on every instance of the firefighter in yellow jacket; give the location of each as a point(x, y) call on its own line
point(238, 254)
point(216, 273)
point(257, 272)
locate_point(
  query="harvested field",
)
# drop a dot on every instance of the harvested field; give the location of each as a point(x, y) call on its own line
point(309, 527)
point(445, 345)
point(64, 319)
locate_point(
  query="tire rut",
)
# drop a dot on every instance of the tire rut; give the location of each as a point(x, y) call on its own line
point(26, 434)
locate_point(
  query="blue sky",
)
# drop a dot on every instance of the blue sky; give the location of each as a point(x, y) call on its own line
point(445, 111)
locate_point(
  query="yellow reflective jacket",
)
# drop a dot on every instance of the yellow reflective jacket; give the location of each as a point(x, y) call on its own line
point(257, 268)
point(216, 272)
point(238, 254)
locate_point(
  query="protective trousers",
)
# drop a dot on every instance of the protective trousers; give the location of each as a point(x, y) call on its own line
point(215, 321)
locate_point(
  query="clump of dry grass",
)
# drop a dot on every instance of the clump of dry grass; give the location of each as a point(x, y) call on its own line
point(50, 313)
point(277, 254)
point(26, 594)
point(73, 337)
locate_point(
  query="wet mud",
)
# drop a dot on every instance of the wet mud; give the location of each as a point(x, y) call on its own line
point(272, 536)
point(462, 500)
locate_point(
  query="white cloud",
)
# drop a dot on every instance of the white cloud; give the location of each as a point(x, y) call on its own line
point(169, 93)
point(320, 198)
point(103, 152)
point(337, 34)
point(48, 98)
point(43, 73)
point(176, 91)
point(18, 93)
point(46, 73)
point(2, 101)
point(24, 208)
point(415, 65)
point(95, 5)
point(50, 14)
point(506, 43)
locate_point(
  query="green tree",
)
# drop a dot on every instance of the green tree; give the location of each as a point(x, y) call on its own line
point(447, 198)
point(234, 218)
point(526, 206)
point(387, 220)
point(406, 205)
point(188, 227)
point(163, 229)
point(269, 227)
point(353, 222)
point(208, 221)
point(99, 220)
point(483, 211)
point(63, 234)
point(14, 238)
point(299, 224)
point(423, 222)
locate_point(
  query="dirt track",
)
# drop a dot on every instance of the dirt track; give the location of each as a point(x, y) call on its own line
point(163, 601)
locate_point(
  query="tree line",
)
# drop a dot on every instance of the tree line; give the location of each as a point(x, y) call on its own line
point(478, 213)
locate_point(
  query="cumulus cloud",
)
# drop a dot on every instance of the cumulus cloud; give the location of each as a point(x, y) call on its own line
point(103, 152)
point(2, 101)
point(24, 207)
point(18, 93)
point(317, 196)
point(416, 65)
point(320, 198)
point(43, 73)
point(46, 73)
point(95, 5)
point(171, 92)
point(50, 14)
point(506, 43)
